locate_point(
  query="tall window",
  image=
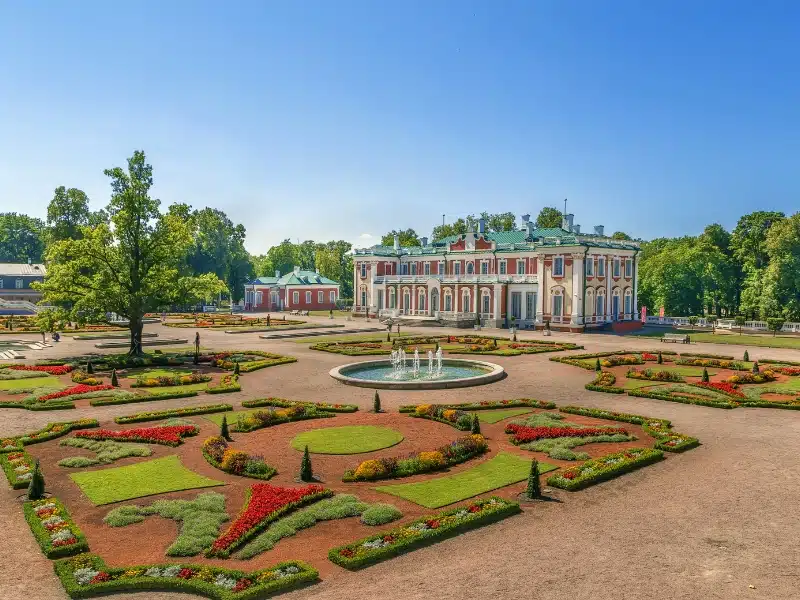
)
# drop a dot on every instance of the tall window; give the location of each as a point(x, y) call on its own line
point(530, 305)
point(333, 296)
point(466, 305)
point(441, 268)
point(484, 267)
point(627, 303)
point(448, 301)
point(521, 267)
point(404, 269)
point(616, 268)
point(628, 267)
point(392, 298)
point(259, 298)
point(18, 284)
point(363, 269)
point(1, 284)
point(589, 266)
point(295, 297)
point(558, 305)
point(457, 268)
point(470, 268)
point(308, 297)
point(363, 297)
point(600, 306)
point(601, 267)
point(413, 268)
point(502, 267)
point(486, 309)
point(320, 297)
point(427, 268)
point(558, 266)
point(421, 300)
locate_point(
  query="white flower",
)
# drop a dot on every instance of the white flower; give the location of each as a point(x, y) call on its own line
point(225, 582)
point(171, 571)
point(153, 572)
point(25, 476)
point(22, 469)
point(44, 507)
point(54, 520)
point(84, 576)
point(62, 535)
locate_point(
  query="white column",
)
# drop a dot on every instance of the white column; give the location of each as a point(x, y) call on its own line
point(543, 292)
point(634, 300)
point(477, 301)
point(497, 293)
point(577, 289)
point(371, 270)
point(413, 306)
point(456, 300)
point(609, 273)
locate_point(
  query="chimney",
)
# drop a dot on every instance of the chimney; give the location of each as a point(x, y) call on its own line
point(576, 229)
point(566, 222)
point(481, 225)
point(530, 225)
point(526, 218)
point(297, 270)
point(424, 241)
point(598, 230)
point(277, 274)
point(396, 242)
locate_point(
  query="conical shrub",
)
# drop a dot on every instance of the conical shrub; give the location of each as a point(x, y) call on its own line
point(89, 368)
point(376, 402)
point(306, 472)
point(660, 359)
point(597, 366)
point(534, 489)
point(36, 485)
point(705, 375)
point(755, 367)
point(476, 424)
point(114, 378)
point(746, 356)
point(223, 430)
point(236, 368)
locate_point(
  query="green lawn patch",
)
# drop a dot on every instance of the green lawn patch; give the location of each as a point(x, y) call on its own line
point(232, 417)
point(494, 416)
point(349, 439)
point(636, 384)
point(156, 476)
point(156, 373)
point(30, 383)
point(762, 341)
point(793, 385)
point(500, 471)
point(684, 371)
point(192, 387)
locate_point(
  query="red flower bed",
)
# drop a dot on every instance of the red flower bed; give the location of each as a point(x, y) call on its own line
point(523, 434)
point(791, 371)
point(54, 370)
point(77, 389)
point(722, 386)
point(266, 503)
point(648, 356)
point(169, 436)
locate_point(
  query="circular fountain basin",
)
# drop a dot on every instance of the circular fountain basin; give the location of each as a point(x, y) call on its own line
point(382, 374)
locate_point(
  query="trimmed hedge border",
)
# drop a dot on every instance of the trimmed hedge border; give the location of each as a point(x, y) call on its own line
point(594, 386)
point(210, 460)
point(427, 536)
point(261, 584)
point(348, 348)
point(228, 383)
point(11, 474)
point(701, 355)
point(658, 428)
point(49, 432)
point(283, 403)
point(142, 398)
point(319, 415)
point(173, 413)
point(42, 535)
point(643, 457)
point(490, 405)
point(770, 361)
point(681, 399)
point(270, 360)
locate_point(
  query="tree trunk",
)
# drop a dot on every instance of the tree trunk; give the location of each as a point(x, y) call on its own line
point(136, 327)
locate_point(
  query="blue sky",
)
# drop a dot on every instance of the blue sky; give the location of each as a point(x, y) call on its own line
point(342, 119)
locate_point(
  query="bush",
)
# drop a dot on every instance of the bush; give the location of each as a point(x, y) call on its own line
point(306, 472)
point(36, 486)
point(114, 379)
point(223, 429)
point(755, 367)
point(380, 514)
point(660, 359)
point(534, 489)
point(476, 425)
point(604, 468)
point(597, 366)
point(746, 357)
point(376, 403)
point(705, 375)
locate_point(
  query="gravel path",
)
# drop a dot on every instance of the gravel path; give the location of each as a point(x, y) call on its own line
point(707, 524)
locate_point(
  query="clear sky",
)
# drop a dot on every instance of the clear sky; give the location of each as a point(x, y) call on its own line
point(342, 120)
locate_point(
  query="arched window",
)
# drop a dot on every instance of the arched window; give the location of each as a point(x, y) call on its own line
point(421, 299)
point(466, 304)
point(392, 298)
point(448, 300)
point(486, 302)
point(470, 268)
point(601, 303)
point(615, 305)
point(557, 302)
point(406, 300)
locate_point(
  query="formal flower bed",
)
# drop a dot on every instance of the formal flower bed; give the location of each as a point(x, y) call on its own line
point(51, 370)
point(54, 530)
point(522, 434)
point(52, 431)
point(249, 360)
point(660, 429)
point(282, 403)
point(352, 348)
point(81, 376)
point(490, 346)
point(647, 356)
point(173, 413)
point(790, 371)
point(720, 401)
point(617, 360)
point(455, 452)
point(705, 355)
point(218, 454)
point(265, 504)
point(604, 468)
point(764, 376)
point(485, 405)
point(123, 397)
point(169, 380)
point(18, 467)
point(227, 383)
point(711, 362)
point(422, 532)
point(457, 418)
point(270, 417)
point(723, 387)
point(585, 360)
point(604, 382)
point(653, 375)
point(74, 391)
point(87, 575)
point(167, 436)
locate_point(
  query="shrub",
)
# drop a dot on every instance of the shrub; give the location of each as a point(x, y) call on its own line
point(755, 367)
point(89, 368)
point(54, 530)
point(234, 461)
point(376, 402)
point(660, 359)
point(215, 447)
point(705, 375)
point(597, 366)
point(114, 379)
point(476, 425)
point(380, 514)
point(223, 429)
point(36, 485)
point(534, 489)
point(306, 472)
point(746, 357)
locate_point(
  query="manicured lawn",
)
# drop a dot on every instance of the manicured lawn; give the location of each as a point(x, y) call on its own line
point(500, 471)
point(155, 373)
point(232, 417)
point(746, 339)
point(792, 385)
point(349, 439)
point(192, 387)
point(375, 336)
point(493, 416)
point(157, 476)
point(682, 370)
point(31, 382)
point(635, 384)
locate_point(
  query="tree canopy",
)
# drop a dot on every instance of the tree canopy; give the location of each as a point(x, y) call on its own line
point(494, 222)
point(21, 238)
point(548, 217)
point(408, 237)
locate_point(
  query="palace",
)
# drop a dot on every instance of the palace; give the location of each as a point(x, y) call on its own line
point(522, 278)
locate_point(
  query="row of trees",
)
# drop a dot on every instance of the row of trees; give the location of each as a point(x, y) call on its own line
point(753, 271)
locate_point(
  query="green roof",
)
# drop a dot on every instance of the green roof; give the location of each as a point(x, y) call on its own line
point(295, 278)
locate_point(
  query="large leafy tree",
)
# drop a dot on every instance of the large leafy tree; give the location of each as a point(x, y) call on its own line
point(781, 277)
point(494, 222)
point(131, 265)
point(748, 244)
point(68, 212)
point(408, 237)
point(334, 261)
point(22, 238)
point(548, 217)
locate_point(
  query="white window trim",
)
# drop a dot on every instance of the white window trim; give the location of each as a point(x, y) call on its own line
point(426, 268)
point(628, 267)
point(457, 268)
point(363, 269)
point(295, 297)
point(521, 261)
point(503, 267)
point(616, 269)
point(590, 267)
point(484, 263)
point(332, 296)
point(320, 296)
point(556, 260)
point(601, 266)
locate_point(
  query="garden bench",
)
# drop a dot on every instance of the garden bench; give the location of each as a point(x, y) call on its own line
point(676, 337)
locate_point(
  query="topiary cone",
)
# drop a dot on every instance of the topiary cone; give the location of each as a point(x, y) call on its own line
point(223, 430)
point(755, 367)
point(89, 368)
point(236, 368)
point(660, 359)
point(476, 424)
point(705, 375)
point(114, 379)
point(306, 473)
point(746, 356)
point(534, 489)
point(376, 402)
point(597, 366)
point(36, 485)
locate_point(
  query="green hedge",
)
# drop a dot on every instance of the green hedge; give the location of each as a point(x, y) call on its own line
point(660, 429)
point(767, 404)
point(262, 585)
point(11, 474)
point(495, 510)
point(488, 405)
point(350, 350)
point(173, 413)
point(42, 535)
point(49, 432)
point(142, 398)
point(599, 469)
point(229, 383)
point(280, 421)
point(771, 361)
point(683, 400)
point(283, 403)
point(264, 476)
point(701, 355)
